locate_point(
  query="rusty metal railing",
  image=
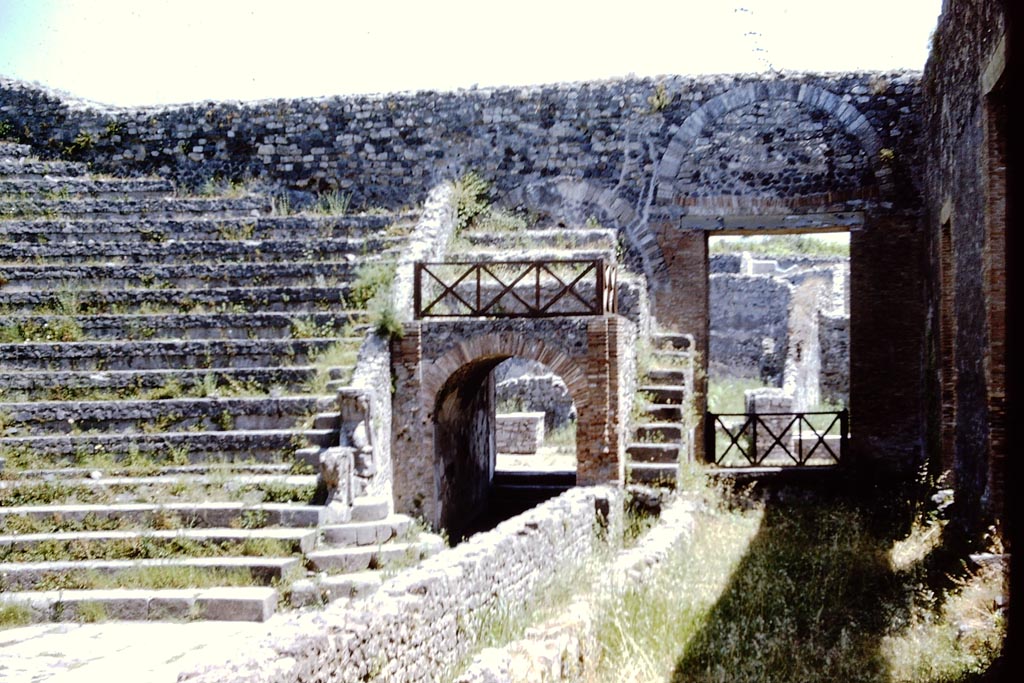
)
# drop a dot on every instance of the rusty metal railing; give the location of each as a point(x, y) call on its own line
point(776, 439)
point(511, 289)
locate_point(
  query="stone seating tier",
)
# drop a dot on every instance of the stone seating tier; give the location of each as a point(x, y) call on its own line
point(168, 375)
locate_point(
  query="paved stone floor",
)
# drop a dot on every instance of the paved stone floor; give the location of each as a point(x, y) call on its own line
point(118, 651)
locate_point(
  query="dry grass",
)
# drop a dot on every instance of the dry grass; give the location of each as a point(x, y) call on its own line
point(803, 592)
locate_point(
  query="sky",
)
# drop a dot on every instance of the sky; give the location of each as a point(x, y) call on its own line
point(136, 52)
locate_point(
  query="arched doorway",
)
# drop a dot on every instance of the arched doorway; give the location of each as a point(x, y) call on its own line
point(472, 435)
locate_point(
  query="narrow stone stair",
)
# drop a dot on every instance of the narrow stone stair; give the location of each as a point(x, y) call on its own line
point(662, 430)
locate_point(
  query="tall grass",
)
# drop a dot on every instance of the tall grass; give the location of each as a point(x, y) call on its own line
point(800, 592)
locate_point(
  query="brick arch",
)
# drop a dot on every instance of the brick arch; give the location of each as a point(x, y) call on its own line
point(573, 198)
point(853, 122)
point(489, 346)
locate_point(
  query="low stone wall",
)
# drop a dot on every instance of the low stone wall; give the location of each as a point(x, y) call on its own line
point(566, 647)
point(421, 623)
point(521, 433)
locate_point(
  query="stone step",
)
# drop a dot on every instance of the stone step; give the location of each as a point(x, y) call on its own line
point(567, 237)
point(188, 514)
point(370, 508)
point(361, 558)
point(227, 484)
point(158, 230)
point(672, 394)
point(175, 251)
point(324, 589)
point(676, 359)
point(184, 326)
point(250, 603)
point(131, 208)
point(664, 375)
point(653, 474)
point(10, 149)
point(653, 452)
point(165, 542)
point(653, 432)
point(72, 385)
point(95, 301)
point(366, 533)
point(537, 252)
point(210, 447)
point(672, 341)
point(232, 469)
point(183, 277)
point(154, 416)
point(662, 412)
point(152, 355)
point(28, 168)
point(24, 576)
point(140, 327)
point(56, 187)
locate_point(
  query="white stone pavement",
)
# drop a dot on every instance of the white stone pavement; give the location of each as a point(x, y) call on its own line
point(119, 651)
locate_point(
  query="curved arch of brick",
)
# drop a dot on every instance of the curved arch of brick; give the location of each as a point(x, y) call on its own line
point(852, 121)
point(437, 373)
point(554, 194)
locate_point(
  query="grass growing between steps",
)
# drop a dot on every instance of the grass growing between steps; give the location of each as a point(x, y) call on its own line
point(144, 547)
point(802, 592)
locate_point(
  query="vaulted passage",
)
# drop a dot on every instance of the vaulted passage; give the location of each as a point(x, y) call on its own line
point(445, 451)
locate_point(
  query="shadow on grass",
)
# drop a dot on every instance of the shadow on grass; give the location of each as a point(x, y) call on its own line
point(816, 594)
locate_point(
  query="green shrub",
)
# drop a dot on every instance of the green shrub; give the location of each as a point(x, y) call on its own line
point(470, 197)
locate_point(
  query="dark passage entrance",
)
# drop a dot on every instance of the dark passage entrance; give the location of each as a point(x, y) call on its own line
point(477, 485)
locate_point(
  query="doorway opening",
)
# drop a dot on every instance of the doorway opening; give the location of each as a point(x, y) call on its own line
point(779, 343)
point(505, 440)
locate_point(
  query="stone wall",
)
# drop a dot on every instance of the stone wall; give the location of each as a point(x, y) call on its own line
point(834, 343)
point(966, 122)
point(666, 162)
point(390, 149)
point(531, 386)
point(750, 324)
point(419, 625)
point(521, 433)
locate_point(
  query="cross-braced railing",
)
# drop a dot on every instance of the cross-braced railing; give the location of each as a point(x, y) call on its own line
point(510, 289)
point(776, 439)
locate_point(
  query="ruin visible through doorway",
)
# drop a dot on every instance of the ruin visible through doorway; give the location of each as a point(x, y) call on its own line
point(505, 440)
point(779, 322)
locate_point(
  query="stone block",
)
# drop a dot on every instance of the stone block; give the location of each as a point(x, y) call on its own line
point(236, 604)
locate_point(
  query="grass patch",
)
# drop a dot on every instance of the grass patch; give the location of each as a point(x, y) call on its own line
point(726, 394)
point(782, 245)
point(808, 591)
point(12, 615)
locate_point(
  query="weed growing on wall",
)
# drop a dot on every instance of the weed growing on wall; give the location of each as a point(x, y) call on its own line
point(470, 197)
point(659, 100)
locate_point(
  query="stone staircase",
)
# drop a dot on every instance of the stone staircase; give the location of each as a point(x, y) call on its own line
point(168, 373)
point(662, 429)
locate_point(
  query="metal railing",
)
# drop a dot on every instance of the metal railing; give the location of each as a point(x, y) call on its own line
point(510, 289)
point(776, 439)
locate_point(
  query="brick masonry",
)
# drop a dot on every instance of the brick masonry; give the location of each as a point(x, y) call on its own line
point(441, 371)
point(965, 96)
